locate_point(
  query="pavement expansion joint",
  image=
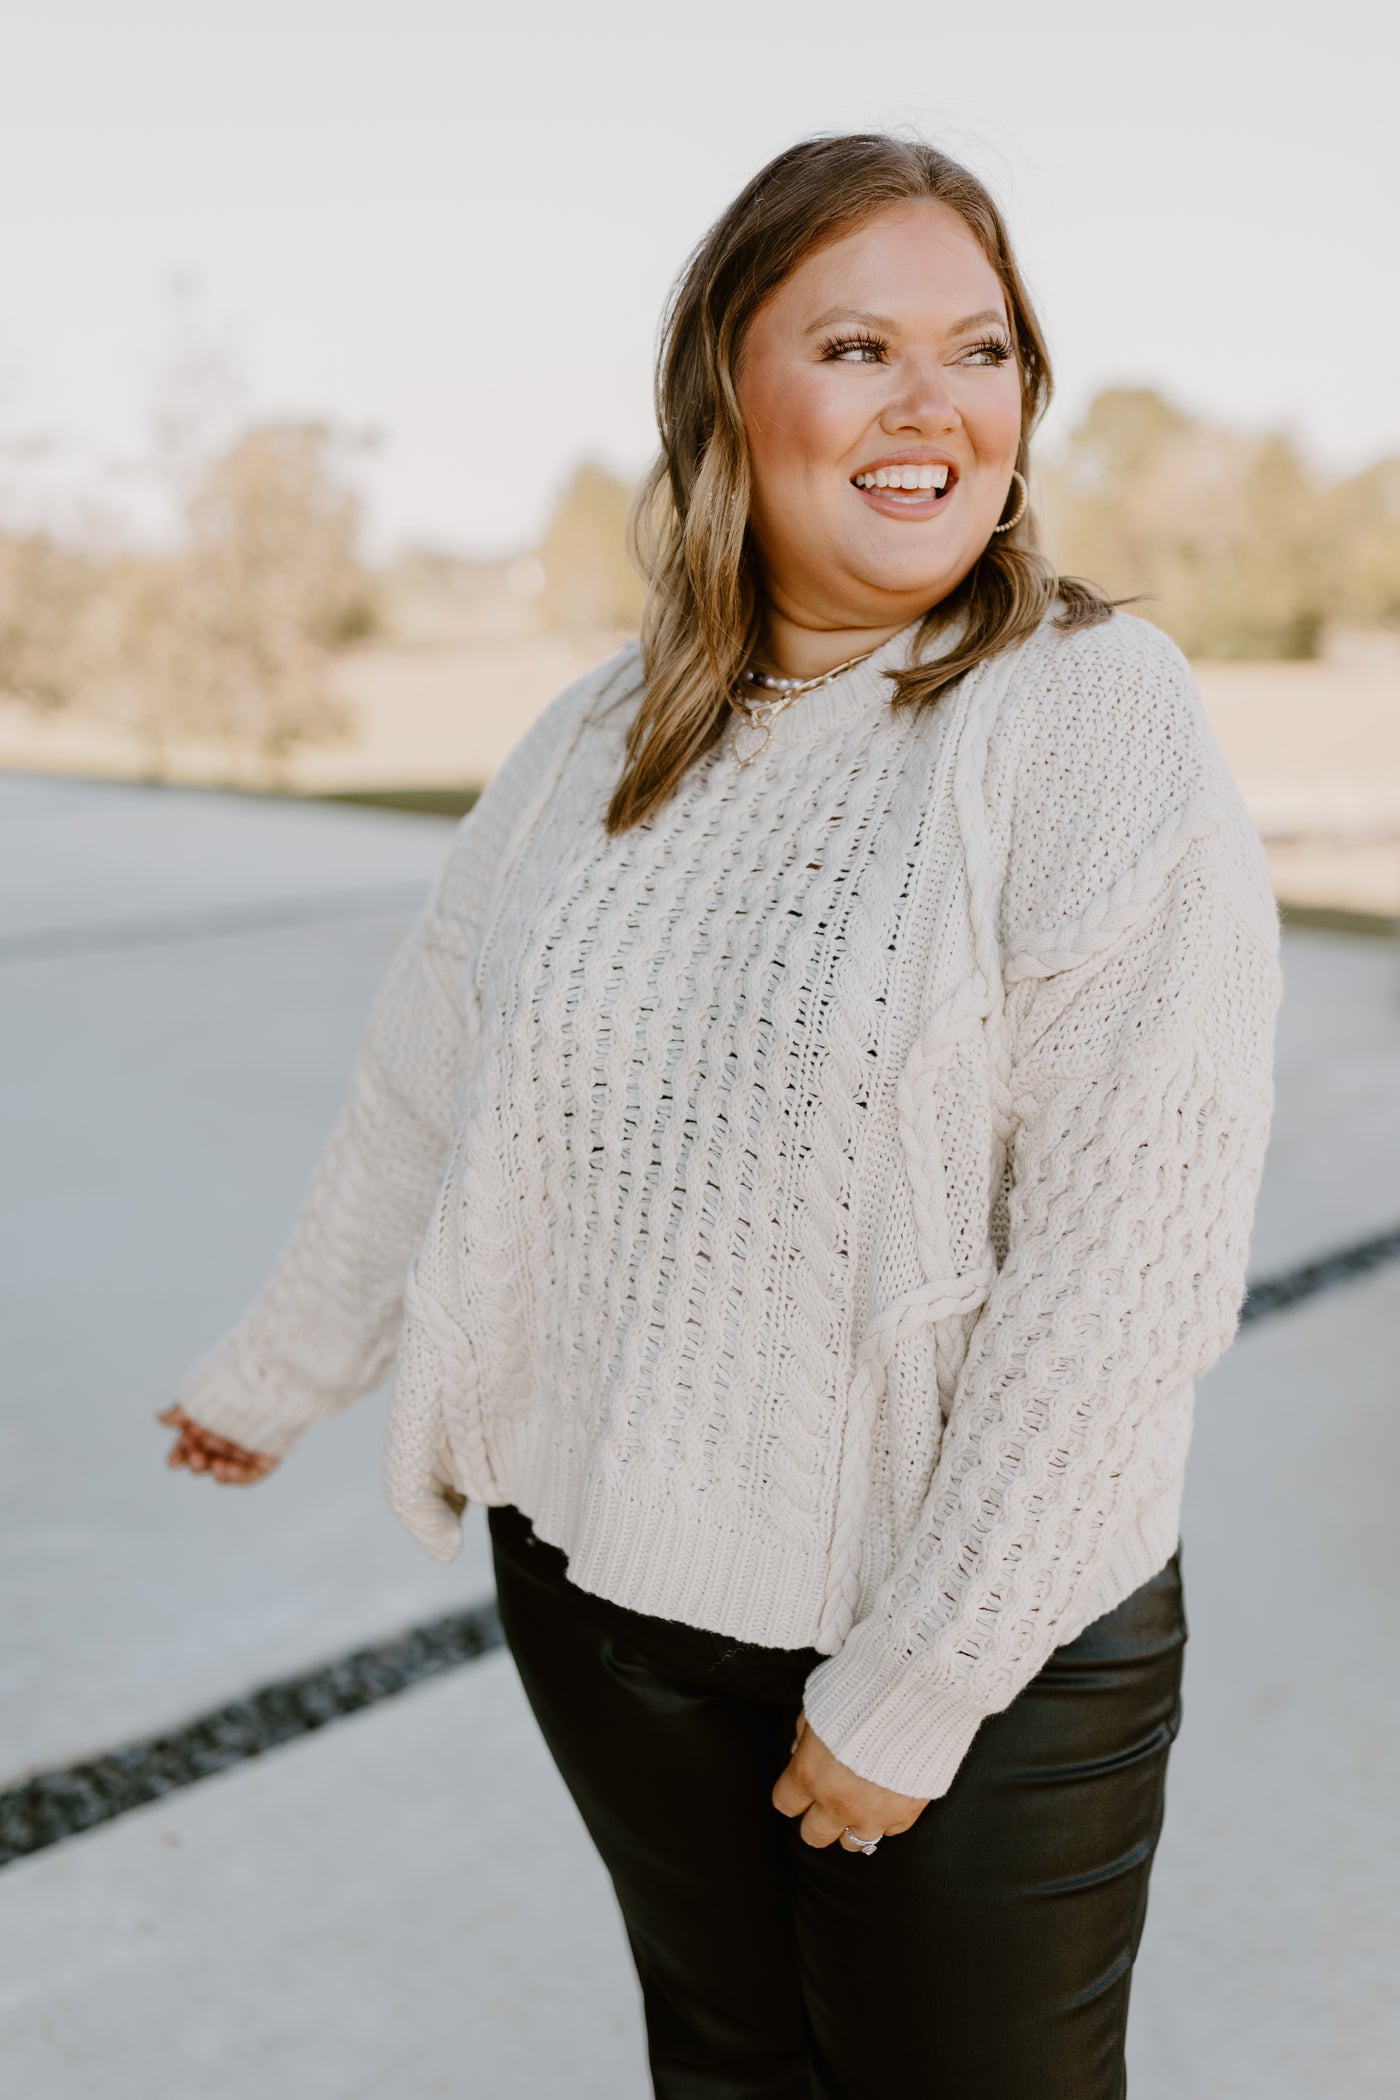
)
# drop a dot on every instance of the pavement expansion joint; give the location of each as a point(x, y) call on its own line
point(52, 1805)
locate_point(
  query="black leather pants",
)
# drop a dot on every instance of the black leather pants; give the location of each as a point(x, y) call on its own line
point(985, 1954)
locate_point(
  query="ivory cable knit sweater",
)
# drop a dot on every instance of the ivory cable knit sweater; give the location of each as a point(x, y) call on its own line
point(814, 1206)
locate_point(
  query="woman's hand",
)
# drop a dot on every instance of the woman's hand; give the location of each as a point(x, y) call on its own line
point(829, 1796)
point(203, 1452)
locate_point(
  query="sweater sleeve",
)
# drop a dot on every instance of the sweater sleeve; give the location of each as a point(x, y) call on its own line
point(1140, 1006)
point(323, 1329)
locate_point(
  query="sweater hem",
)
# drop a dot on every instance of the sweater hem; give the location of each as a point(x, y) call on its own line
point(650, 1552)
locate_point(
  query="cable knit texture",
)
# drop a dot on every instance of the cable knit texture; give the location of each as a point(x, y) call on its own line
point(815, 1205)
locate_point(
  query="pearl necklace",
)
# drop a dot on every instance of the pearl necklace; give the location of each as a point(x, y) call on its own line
point(761, 714)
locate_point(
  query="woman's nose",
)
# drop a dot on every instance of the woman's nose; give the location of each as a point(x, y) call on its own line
point(921, 403)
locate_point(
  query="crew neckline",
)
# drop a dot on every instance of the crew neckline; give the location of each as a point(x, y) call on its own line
point(848, 697)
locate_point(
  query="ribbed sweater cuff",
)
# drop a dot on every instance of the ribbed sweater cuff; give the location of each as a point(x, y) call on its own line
point(881, 1717)
point(230, 1397)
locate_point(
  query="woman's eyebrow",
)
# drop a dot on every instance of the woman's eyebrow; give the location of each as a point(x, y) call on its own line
point(988, 315)
point(985, 319)
point(851, 313)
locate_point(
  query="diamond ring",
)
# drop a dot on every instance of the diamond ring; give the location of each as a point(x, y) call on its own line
point(866, 1845)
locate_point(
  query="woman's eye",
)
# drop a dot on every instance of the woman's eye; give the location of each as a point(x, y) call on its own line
point(994, 351)
point(856, 350)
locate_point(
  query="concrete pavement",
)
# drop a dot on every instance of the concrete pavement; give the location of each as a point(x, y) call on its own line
point(403, 1902)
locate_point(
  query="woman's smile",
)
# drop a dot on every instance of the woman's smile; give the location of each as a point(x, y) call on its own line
point(880, 386)
point(912, 485)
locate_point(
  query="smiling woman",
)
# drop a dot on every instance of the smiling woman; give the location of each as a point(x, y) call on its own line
point(854, 417)
point(802, 1179)
point(856, 313)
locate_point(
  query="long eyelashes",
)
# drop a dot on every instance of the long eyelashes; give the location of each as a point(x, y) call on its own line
point(862, 340)
point(993, 349)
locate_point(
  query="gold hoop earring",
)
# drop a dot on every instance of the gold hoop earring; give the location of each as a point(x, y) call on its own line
point(1020, 510)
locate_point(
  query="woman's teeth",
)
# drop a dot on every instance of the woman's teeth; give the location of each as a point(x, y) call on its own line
point(904, 478)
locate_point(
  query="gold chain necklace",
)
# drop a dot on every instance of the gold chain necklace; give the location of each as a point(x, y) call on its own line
point(762, 714)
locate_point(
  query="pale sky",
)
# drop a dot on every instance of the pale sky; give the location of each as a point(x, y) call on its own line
point(458, 232)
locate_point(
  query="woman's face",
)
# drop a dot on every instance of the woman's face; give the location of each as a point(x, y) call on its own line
point(888, 349)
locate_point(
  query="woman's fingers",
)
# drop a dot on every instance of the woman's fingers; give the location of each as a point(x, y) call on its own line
point(225, 1466)
point(205, 1452)
point(823, 1822)
point(232, 1463)
point(830, 1798)
point(236, 1469)
point(822, 1826)
point(790, 1796)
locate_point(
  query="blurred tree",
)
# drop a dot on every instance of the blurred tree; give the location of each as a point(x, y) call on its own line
point(230, 637)
point(227, 637)
point(1361, 523)
point(589, 581)
point(52, 639)
point(1249, 553)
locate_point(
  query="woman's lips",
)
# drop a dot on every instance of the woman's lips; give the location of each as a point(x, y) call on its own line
point(908, 503)
point(913, 485)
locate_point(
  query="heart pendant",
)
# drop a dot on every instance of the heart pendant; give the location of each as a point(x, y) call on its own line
point(762, 730)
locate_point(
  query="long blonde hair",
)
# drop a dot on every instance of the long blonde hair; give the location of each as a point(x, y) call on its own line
point(688, 526)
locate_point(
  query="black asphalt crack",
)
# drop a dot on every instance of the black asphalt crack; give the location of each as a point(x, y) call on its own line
point(49, 1806)
point(58, 1804)
point(1273, 1294)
